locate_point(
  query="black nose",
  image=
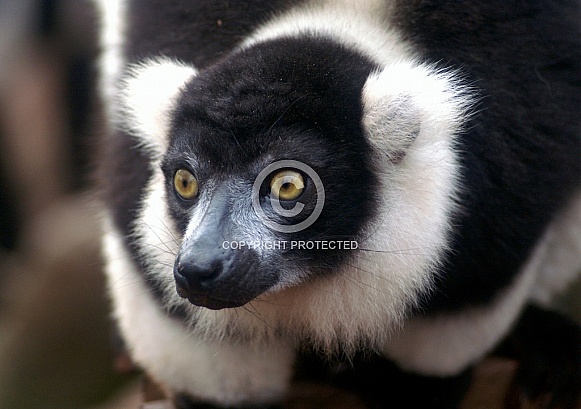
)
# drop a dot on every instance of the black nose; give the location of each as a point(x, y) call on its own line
point(194, 276)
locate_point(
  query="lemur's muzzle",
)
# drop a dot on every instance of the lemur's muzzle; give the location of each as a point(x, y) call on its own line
point(210, 274)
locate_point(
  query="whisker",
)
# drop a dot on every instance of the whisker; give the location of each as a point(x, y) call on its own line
point(412, 251)
point(163, 243)
point(257, 315)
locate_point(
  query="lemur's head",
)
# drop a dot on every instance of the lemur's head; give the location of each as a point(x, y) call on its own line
point(257, 145)
point(291, 161)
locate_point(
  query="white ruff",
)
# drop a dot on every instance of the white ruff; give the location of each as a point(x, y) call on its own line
point(446, 344)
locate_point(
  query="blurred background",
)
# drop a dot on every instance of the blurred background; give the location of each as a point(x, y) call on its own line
point(55, 333)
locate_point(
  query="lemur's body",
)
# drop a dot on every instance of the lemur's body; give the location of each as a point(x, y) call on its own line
point(447, 137)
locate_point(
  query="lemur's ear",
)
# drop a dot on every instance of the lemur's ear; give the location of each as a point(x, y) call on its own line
point(148, 92)
point(404, 101)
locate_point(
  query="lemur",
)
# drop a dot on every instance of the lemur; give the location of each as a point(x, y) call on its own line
point(389, 189)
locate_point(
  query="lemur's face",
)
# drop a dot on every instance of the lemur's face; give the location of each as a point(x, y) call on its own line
point(268, 174)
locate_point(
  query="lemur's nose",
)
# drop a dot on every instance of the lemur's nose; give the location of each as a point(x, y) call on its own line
point(196, 274)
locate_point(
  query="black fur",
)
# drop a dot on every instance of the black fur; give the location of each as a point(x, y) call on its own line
point(197, 32)
point(521, 153)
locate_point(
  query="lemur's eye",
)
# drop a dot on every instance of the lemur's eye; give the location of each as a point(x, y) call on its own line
point(287, 184)
point(185, 184)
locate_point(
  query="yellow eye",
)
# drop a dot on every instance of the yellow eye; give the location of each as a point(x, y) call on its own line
point(185, 184)
point(287, 184)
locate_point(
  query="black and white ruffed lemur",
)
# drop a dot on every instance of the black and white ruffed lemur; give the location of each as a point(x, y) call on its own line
point(440, 140)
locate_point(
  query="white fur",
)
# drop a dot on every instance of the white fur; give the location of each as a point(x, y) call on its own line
point(218, 371)
point(146, 97)
point(419, 190)
point(358, 24)
point(446, 344)
point(158, 241)
point(562, 263)
point(112, 16)
point(405, 98)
